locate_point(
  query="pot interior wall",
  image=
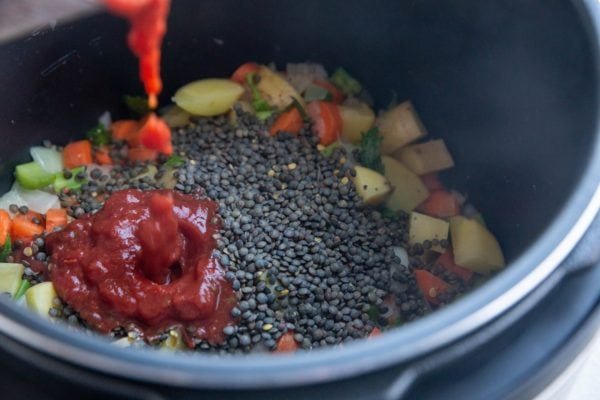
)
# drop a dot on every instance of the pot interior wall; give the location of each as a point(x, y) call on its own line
point(509, 85)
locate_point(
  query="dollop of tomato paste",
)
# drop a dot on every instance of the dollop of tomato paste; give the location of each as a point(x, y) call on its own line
point(148, 20)
point(146, 258)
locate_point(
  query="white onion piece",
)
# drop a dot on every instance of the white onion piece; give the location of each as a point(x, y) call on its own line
point(11, 197)
point(105, 119)
point(401, 253)
point(301, 76)
point(37, 200)
point(50, 160)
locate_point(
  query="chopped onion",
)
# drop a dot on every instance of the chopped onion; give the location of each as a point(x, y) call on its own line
point(49, 159)
point(11, 197)
point(105, 119)
point(301, 76)
point(37, 200)
point(401, 253)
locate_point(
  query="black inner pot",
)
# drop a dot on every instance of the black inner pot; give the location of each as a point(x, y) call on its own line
point(512, 87)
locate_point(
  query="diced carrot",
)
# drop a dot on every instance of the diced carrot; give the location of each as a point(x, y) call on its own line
point(337, 96)
point(375, 332)
point(141, 154)
point(327, 121)
point(125, 129)
point(287, 343)
point(24, 228)
point(440, 204)
point(103, 156)
point(432, 181)
point(430, 285)
point(5, 224)
point(446, 260)
point(155, 134)
point(55, 218)
point(289, 121)
point(239, 75)
point(77, 154)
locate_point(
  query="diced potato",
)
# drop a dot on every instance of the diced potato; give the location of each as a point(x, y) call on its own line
point(423, 227)
point(174, 341)
point(427, 157)
point(40, 298)
point(356, 120)
point(371, 186)
point(399, 126)
point(123, 342)
point(10, 277)
point(275, 89)
point(176, 117)
point(408, 189)
point(474, 246)
point(208, 97)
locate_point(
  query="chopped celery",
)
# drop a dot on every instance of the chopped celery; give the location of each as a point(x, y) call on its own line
point(137, 105)
point(98, 135)
point(22, 289)
point(342, 79)
point(60, 182)
point(175, 161)
point(10, 277)
point(262, 108)
point(315, 92)
point(6, 248)
point(32, 176)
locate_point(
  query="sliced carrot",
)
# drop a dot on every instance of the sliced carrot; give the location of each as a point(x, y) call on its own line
point(440, 204)
point(430, 285)
point(141, 154)
point(239, 75)
point(289, 121)
point(337, 96)
point(125, 129)
point(287, 343)
point(327, 121)
point(375, 332)
point(446, 260)
point(77, 154)
point(5, 224)
point(24, 228)
point(103, 156)
point(55, 218)
point(155, 134)
point(432, 181)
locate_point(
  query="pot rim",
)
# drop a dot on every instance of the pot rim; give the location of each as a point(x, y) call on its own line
point(415, 339)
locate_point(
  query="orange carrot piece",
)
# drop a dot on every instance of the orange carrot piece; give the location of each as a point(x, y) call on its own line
point(5, 224)
point(289, 121)
point(375, 332)
point(77, 154)
point(125, 129)
point(432, 181)
point(141, 154)
point(446, 260)
point(103, 156)
point(430, 285)
point(155, 134)
point(337, 96)
point(287, 343)
point(327, 121)
point(440, 204)
point(23, 228)
point(239, 75)
point(55, 218)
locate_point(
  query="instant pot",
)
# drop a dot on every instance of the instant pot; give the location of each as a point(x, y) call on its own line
point(513, 88)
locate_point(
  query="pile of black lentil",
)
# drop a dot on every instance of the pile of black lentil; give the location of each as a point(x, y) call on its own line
point(301, 251)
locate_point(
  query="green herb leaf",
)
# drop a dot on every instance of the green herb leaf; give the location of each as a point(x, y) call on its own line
point(22, 289)
point(98, 135)
point(342, 79)
point(296, 104)
point(388, 213)
point(175, 161)
point(315, 92)
point(327, 151)
point(261, 107)
point(60, 182)
point(6, 249)
point(369, 150)
point(137, 105)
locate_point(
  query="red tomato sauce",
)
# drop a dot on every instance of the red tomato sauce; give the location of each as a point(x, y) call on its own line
point(148, 19)
point(146, 258)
